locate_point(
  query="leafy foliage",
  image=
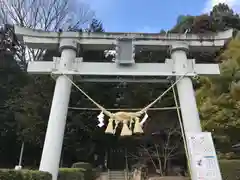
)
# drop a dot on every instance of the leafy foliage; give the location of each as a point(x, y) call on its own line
point(75, 173)
point(224, 17)
point(218, 99)
point(230, 169)
point(220, 18)
point(24, 175)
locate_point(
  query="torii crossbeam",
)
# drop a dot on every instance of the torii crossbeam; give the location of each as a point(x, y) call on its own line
point(125, 44)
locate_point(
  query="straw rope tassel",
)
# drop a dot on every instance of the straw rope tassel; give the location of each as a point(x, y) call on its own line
point(125, 130)
point(116, 126)
point(144, 119)
point(137, 126)
point(131, 122)
point(109, 129)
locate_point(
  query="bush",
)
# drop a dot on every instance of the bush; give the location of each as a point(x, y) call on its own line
point(230, 169)
point(6, 174)
point(89, 173)
point(75, 174)
point(71, 174)
point(64, 174)
point(83, 165)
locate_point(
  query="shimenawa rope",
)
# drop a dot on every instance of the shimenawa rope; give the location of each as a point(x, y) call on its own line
point(126, 118)
point(139, 113)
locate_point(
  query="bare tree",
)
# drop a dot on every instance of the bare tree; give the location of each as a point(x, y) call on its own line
point(47, 15)
point(161, 150)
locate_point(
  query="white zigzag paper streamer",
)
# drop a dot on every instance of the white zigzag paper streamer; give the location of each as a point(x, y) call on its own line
point(100, 119)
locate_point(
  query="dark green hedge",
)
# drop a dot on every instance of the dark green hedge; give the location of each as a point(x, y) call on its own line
point(89, 173)
point(83, 165)
point(230, 169)
point(76, 174)
point(71, 174)
point(6, 174)
point(64, 174)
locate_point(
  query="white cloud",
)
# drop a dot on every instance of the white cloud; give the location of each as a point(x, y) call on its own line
point(235, 4)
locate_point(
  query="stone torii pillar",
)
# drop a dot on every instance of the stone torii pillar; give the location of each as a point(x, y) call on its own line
point(186, 93)
point(190, 115)
point(57, 119)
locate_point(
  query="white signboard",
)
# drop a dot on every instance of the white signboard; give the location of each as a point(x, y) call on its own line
point(203, 159)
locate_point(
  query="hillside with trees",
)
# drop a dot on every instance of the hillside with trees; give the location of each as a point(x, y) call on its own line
point(25, 100)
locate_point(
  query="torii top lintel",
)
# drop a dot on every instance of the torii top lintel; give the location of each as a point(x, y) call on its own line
point(106, 40)
point(126, 45)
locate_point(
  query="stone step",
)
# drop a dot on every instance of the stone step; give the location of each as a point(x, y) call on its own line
point(116, 175)
point(117, 171)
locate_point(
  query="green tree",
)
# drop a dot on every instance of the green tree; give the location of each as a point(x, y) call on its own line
point(217, 97)
point(31, 107)
point(184, 24)
point(224, 17)
point(218, 100)
point(12, 79)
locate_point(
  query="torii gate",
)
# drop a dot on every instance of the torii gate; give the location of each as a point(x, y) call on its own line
point(126, 44)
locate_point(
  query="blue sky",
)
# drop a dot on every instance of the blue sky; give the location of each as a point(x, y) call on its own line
point(149, 15)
